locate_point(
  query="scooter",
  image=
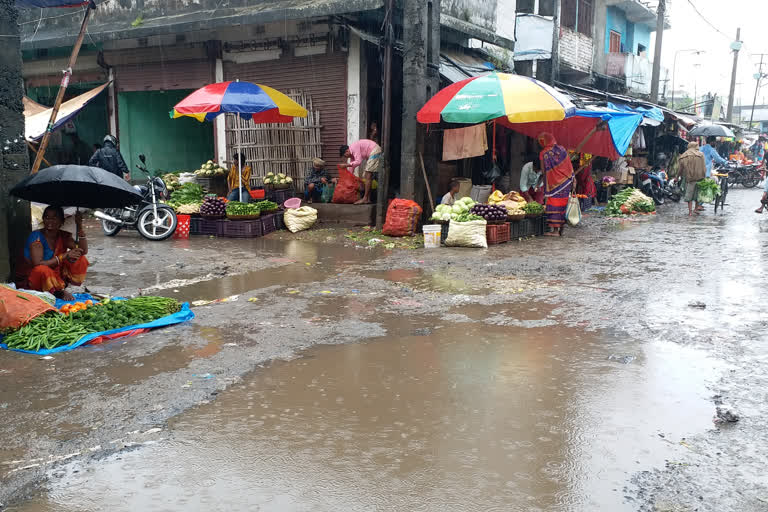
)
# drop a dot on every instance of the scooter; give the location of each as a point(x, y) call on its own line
point(151, 218)
point(656, 185)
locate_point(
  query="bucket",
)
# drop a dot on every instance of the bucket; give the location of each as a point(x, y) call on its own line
point(293, 202)
point(182, 227)
point(432, 234)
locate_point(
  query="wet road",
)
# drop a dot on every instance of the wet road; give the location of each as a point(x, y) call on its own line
point(567, 374)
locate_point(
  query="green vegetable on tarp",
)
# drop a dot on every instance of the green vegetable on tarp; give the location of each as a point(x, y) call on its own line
point(708, 190)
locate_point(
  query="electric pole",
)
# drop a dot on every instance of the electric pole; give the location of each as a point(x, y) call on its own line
point(736, 46)
point(657, 53)
point(758, 77)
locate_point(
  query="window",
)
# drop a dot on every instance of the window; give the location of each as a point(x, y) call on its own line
point(577, 15)
point(615, 42)
point(525, 7)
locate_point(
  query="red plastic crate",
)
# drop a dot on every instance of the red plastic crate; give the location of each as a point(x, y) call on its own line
point(497, 233)
point(240, 228)
point(258, 194)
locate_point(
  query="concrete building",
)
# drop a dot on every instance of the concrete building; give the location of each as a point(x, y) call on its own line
point(324, 53)
point(598, 43)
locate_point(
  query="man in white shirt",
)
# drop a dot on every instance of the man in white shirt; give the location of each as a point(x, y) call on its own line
point(530, 183)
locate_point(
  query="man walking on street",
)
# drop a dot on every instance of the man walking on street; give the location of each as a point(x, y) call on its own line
point(711, 155)
point(109, 158)
point(693, 168)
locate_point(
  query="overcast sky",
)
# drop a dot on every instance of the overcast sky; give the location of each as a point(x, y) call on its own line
point(711, 71)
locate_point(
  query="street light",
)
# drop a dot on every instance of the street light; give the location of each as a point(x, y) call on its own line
point(674, 68)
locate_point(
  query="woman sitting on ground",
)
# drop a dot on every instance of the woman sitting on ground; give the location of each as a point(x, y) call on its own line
point(52, 260)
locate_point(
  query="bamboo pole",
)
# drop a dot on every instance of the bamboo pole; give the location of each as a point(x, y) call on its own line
point(426, 180)
point(62, 89)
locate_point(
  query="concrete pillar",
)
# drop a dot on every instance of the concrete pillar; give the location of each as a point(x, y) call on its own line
point(14, 166)
point(112, 104)
point(355, 129)
point(414, 93)
point(220, 126)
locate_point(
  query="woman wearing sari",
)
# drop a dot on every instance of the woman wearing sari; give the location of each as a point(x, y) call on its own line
point(52, 260)
point(585, 186)
point(558, 181)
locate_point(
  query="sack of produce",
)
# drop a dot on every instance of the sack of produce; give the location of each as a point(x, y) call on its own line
point(467, 234)
point(402, 218)
point(299, 219)
point(347, 190)
point(17, 308)
point(708, 190)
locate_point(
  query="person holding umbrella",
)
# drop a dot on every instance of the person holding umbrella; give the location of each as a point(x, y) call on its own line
point(711, 154)
point(52, 258)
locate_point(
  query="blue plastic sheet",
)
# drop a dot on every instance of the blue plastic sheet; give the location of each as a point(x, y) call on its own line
point(184, 315)
point(653, 113)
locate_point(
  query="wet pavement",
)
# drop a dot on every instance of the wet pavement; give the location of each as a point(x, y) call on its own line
point(573, 374)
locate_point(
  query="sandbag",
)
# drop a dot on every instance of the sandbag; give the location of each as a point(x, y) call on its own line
point(347, 190)
point(299, 219)
point(18, 307)
point(467, 234)
point(402, 218)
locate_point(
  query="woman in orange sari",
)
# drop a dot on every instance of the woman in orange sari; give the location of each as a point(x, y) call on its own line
point(52, 258)
point(558, 181)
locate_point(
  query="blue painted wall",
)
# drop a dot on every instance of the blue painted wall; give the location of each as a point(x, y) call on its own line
point(632, 34)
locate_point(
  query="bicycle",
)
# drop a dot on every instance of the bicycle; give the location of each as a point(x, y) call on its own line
point(722, 180)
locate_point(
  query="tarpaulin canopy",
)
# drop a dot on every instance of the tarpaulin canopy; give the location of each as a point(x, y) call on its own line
point(22, 4)
point(652, 114)
point(36, 120)
point(611, 143)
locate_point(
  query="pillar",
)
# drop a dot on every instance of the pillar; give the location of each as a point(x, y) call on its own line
point(220, 123)
point(14, 166)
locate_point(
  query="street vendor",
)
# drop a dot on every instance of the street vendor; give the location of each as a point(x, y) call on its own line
point(450, 197)
point(239, 176)
point(316, 180)
point(531, 181)
point(52, 258)
point(371, 152)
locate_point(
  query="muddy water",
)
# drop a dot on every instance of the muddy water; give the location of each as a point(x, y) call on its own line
point(437, 417)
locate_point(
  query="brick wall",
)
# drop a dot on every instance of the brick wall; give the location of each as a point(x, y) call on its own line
point(575, 50)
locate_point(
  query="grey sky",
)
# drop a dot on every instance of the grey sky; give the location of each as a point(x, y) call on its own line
point(711, 71)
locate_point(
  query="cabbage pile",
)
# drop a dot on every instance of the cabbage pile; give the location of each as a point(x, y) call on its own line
point(277, 180)
point(444, 212)
point(209, 170)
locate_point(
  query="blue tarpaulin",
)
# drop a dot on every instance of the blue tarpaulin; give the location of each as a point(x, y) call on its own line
point(652, 113)
point(182, 316)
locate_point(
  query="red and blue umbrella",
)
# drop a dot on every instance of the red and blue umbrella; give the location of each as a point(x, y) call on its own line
point(250, 101)
point(22, 4)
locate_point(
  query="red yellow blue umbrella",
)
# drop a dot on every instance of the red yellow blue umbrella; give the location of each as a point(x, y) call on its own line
point(261, 103)
point(517, 98)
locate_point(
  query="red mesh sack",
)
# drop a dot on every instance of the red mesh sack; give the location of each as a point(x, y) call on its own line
point(402, 218)
point(17, 308)
point(347, 190)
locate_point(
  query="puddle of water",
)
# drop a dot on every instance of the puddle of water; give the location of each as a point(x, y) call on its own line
point(478, 417)
point(427, 281)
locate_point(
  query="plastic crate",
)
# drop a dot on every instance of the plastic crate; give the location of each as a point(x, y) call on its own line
point(240, 228)
point(527, 228)
point(444, 233)
point(540, 225)
point(213, 185)
point(281, 195)
point(194, 225)
point(497, 233)
point(268, 223)
point(208, 227)
point(280, 219)
point(514, 229)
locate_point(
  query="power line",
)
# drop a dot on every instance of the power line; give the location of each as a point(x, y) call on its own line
point(707, 21)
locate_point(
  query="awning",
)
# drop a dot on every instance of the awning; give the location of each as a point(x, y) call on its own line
point(652, 116)
point(36, 121)
point(32, 107)
point(456, 67)
point(26, 4)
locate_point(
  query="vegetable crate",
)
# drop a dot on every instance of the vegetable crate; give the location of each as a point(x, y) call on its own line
point(208, 227)
point(280, 195)
point(497, 233)
point(280, 218)
point(444, 233)
point(214, 185)
point(268, 223)
point(240, 228)
point(526, 228)
point(539, 224)
point(195, 226)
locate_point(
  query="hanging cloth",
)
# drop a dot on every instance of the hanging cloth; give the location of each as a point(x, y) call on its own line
point(465, 142)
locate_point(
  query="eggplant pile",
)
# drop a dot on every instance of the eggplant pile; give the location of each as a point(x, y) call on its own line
point(213, 206)
point(490, 212)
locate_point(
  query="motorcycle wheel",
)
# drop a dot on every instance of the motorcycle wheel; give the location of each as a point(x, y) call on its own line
point(110, 228)
point(751, 180)
point(159, 228)
point(657, 195)
point(675, 196)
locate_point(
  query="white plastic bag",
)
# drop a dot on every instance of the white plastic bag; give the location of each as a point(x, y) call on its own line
point(480, 193)
point(299, 219)
point(467, 234)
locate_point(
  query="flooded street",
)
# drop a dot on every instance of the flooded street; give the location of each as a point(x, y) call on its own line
point(547, 375)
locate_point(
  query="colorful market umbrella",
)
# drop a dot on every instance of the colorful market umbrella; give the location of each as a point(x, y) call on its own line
point(249, 101)
point(611, 142)
point(517, 98)
point(22, 4)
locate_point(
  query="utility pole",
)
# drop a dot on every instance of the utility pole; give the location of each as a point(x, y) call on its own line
point(555, 74)
point(758, 77)
point(736, 46)
point(388, 39)
point(657, 53)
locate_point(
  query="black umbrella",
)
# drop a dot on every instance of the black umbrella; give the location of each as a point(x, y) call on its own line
point(77, 185)
point(711, 130)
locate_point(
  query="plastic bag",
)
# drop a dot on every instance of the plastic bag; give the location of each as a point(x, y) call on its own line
point(573, 211)
point(18, 307)
point(327, 194)
point(481, 193)
point(467, 234)
point(347, 190)
point(402, 218)
point(299, 219)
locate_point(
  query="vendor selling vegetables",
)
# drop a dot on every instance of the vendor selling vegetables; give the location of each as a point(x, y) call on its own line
point(239, 182)
point(52, 258)
point(315, 180)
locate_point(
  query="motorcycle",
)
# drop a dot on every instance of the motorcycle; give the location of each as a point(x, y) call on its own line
point(151, 218)
point(655, 184)
point(747, 176)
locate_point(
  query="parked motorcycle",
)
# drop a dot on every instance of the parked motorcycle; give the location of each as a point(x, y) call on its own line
point(747, 176)
point(656, 185)
point(153, 219)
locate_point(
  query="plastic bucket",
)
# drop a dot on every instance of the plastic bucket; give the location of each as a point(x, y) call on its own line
point(182, 227)
point(294, 202)
point(432, 235)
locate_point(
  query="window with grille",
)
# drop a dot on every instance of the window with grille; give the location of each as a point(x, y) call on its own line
point(577, 15)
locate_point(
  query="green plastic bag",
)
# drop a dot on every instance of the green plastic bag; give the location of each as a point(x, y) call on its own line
point(327, 194)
